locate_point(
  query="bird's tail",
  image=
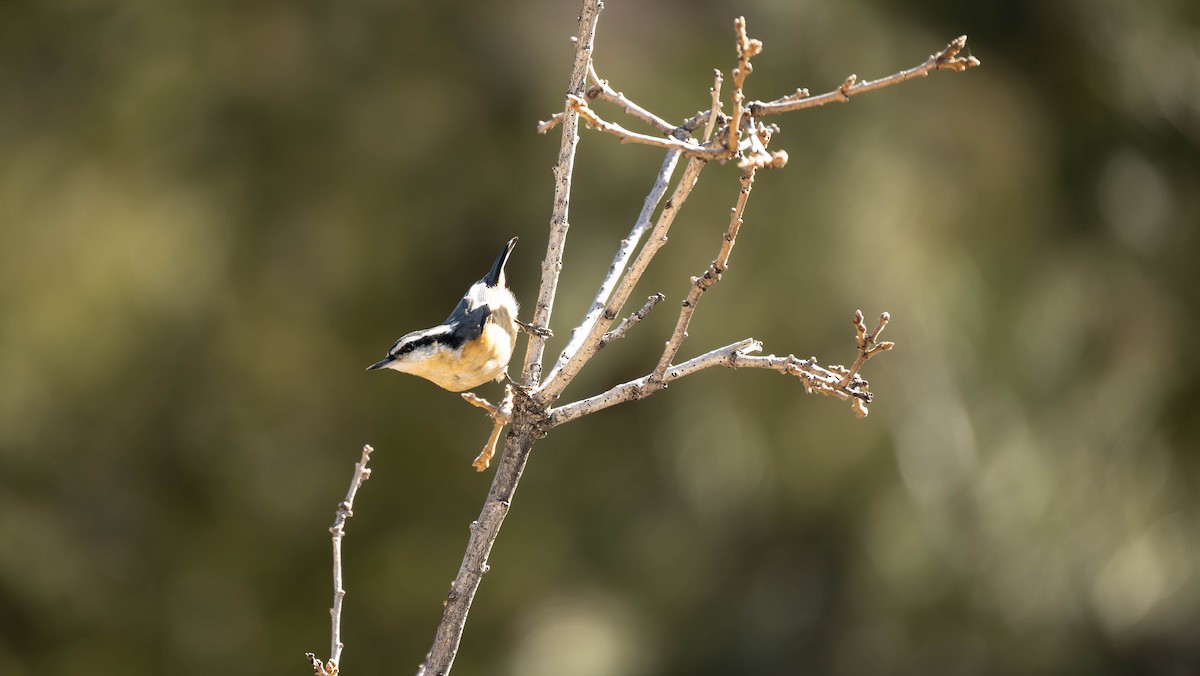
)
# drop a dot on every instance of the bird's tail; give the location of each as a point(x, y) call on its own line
point(495, 276)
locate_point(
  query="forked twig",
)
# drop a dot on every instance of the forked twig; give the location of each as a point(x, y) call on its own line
point(741, 136)
point(868, 345)
point(689, 147)
point(816, 379)
point(747, 49)
point(561, 377)
point(632, 320)
point(338, 531)
point(564, 170)
point(601, 90)
point(527, 425)
point(946, 59)
point(597, 312)
point(709, 278)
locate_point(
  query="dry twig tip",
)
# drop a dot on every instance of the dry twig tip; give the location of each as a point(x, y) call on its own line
point(338, 531)
point(867, 347)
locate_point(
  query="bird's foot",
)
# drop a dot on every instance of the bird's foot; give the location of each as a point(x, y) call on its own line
point(525, 392)
point(501, 416)
point(539, 331)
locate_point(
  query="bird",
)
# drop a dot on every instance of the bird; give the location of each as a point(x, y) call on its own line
point(474, 344)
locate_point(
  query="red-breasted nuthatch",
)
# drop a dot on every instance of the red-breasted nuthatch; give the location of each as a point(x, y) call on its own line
point(475, 342)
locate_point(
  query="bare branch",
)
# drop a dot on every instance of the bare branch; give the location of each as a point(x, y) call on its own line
point(747, 49)
point(867, 345)
point(563, 171)
point(601, 90)
point(338, 531)
point(528, 415)
point(555, 120)
point(715, 111)
point(947, 59)
point(798, 94)
point(645, 386)
point(554, 385)
point(709, 278)
point(815, 378)
point(632, 320)
point(690, 147)
point(620, 260)
point(744, 136)
point(527, 427)
point(701, 117)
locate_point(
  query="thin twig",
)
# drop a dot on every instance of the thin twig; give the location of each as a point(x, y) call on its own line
point(563, 170)
point(645, 386)
point(868, 345)
point(715, 110)
point(620, 261)
point(601, 90)
point(338, 531)
point(710, 276)
point(815, 378)
point(701, 117)
point(946, 59)
point(689, 147)
point(531, 419)
point(555, 119)
point(747, 49)
point(528, 414)
point(632, 320)
point(554, 386)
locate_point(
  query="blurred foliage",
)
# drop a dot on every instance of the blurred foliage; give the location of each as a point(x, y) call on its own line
point(214, 215)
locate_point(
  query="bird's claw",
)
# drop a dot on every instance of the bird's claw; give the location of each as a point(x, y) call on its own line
point(525, 392)
point(533, 330)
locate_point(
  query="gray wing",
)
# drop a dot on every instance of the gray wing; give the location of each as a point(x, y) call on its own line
point(466, 323)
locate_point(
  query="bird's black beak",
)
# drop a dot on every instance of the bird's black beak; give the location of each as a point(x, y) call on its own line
point(379, 364)
point(493, 277)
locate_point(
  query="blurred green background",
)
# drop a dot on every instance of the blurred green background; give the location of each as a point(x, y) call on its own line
point(214, 215)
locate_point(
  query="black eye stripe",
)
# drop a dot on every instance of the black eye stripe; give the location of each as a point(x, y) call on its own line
point(409, 346)
point(448, 335)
